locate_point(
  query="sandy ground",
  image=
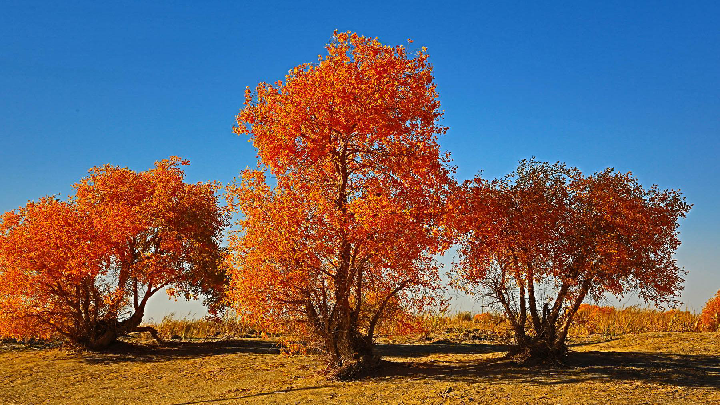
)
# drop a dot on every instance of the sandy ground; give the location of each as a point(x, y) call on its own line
point(650, 368)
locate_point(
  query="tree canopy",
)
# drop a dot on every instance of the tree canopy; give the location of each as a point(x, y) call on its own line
point(350, 220)
point(85, 268)
point(543, 238)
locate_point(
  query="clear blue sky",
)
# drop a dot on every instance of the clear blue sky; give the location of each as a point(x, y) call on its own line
point(635, 87)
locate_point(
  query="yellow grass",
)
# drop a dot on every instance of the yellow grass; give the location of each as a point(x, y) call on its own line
point(610, 321)
point(206, 328)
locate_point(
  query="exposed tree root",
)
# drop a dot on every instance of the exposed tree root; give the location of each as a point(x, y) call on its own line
point(354, 369)
point(539, 353)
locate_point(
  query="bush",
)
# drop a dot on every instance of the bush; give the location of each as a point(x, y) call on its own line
point(710, 316)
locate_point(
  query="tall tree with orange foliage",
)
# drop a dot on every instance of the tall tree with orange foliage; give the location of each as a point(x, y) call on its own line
point(84, 269)
point(349, 223)
point(545, 237)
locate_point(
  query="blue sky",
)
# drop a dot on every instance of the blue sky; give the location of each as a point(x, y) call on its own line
point(635, 87)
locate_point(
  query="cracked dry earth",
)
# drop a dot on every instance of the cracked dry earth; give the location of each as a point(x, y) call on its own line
point(649, 368)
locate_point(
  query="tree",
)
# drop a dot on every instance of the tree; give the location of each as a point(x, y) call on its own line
point(710, 315)
point(350, 226)
point(84, 268)
point(545, 237)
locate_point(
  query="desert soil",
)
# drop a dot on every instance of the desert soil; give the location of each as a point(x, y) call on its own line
point(650, 368)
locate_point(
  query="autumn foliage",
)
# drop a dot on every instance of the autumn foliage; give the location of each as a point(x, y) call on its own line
point(340, 221)
point(338, 231)
point(83, 269)
point(542, 239)
point(710, 316)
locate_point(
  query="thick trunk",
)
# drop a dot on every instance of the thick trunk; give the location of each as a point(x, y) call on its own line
point(540, 350)
point(351, 355)
point(542, 347)
point(549, 343)
point(349, 352)
point(104, 332)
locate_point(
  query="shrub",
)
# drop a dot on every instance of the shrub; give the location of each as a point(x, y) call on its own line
point(710, 316)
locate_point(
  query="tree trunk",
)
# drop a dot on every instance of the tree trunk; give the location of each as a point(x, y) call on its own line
point(105, 332)
point(351, 354)
point(549, 343)
point(540, 350)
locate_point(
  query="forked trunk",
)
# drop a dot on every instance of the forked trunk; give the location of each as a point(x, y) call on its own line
point(547, 342)
point(547, 347)
point(105, 332)
point(351, 355)
point(540, 351)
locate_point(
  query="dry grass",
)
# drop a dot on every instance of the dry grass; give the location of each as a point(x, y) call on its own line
point(590, 320)
point(609, 321)
point(644, 368)
point(202, 329)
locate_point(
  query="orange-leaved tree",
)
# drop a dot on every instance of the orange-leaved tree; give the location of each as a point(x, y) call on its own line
point(710, 315)
point(348, 224)
point(542, 239)
point(84, 269)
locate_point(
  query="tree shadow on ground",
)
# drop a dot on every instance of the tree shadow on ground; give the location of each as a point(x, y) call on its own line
point(674, 369)
point(408, 361)
point(591, 342)
point(142, 353)
point(426, 349)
